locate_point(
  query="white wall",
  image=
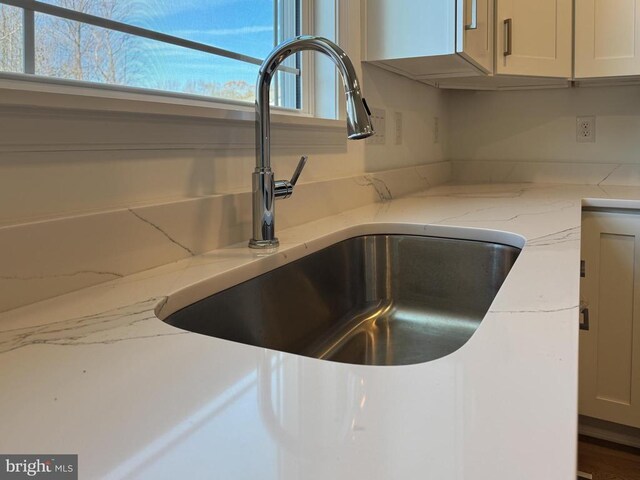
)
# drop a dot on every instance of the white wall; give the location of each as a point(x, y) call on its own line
point(418, 104)
point(62, 161)
point(75, 158)
point(94, 187)
point(540, 125)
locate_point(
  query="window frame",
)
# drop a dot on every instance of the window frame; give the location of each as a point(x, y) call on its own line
point(301, 97)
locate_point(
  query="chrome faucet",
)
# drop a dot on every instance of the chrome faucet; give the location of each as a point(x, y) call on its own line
point(265, 189)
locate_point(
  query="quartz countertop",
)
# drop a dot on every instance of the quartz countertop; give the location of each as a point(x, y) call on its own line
point(96, 373)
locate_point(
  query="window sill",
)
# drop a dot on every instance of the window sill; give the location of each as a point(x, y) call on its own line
point(37, 92)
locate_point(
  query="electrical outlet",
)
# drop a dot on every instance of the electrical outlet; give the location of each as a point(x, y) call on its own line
point(586, 129)
point(379, 121)
point(436, 130)
point(398, 128)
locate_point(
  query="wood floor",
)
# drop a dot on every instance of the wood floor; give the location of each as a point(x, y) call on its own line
point(608, 461)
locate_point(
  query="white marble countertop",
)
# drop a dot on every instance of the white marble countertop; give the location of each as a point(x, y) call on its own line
point(96, 373)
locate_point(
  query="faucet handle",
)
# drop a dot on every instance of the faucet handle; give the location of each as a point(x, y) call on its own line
point(298, 171)
point(284, 188)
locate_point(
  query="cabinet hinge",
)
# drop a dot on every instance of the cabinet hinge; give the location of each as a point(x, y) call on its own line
point(584, 313)
point(582, 269)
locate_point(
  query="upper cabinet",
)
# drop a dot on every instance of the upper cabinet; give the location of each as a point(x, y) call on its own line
point(607, 38)
point(477, 33)
point(430, 38)
point(534, 38)
point(503, 44)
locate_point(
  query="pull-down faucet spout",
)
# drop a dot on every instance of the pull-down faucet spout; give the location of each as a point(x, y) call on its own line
point(265, 189)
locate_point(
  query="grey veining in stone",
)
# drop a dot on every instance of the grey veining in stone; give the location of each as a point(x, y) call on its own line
point(60, 275)
point(381, 188)
point(564, 205)
point(169, 237)
point(564, 236)
point(99, 328)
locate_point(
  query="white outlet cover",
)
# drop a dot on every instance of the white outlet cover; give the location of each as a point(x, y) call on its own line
point(586, 129)
point(379, 121)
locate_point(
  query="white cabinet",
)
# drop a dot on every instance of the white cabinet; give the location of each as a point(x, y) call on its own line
point(610, 292)
point(495, 44)
point(607, 38)
point(534, 38)
point(430, 39)
point(477, 36)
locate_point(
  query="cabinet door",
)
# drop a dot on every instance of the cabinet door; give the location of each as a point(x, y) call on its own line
point(477, 33)
point(610, 290)
point(534, 38)
point(607, 38)
point(409, 29)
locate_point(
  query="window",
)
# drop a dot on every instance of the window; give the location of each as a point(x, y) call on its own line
point(208, 48)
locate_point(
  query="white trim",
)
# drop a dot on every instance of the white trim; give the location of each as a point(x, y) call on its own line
point(76, 130)
point(609, 431)
point(588, 476)
point(286, 28)
point(28, 41)
point(72, 95)
point(364, 23)
point(342, 39)
point(620, 438)
point(325, 96)
point(308, 27)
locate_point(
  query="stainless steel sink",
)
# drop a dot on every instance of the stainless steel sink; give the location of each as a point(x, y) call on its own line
point(374, 300)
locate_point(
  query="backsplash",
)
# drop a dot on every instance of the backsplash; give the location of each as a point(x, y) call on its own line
point(90, 196)
point(57, 256)
point(573, 173)
point(87, 197)
point(540, 125)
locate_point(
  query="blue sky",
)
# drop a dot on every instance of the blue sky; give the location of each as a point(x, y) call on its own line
point(240, 25)
point(244, 26)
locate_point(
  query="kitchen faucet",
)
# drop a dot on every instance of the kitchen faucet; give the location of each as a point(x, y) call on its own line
point(265, 189)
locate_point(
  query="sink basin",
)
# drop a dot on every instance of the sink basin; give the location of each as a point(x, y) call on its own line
point(374, 300)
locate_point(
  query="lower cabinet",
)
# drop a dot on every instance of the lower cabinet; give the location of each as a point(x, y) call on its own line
point(610, 317)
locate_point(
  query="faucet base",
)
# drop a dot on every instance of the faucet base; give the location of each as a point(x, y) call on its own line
point(253, 243)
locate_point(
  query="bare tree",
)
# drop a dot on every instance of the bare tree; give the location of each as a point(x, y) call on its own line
point(232, 89)
point(238, 90)
point(78, 51)
point(112, 49)
point(10, 39)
